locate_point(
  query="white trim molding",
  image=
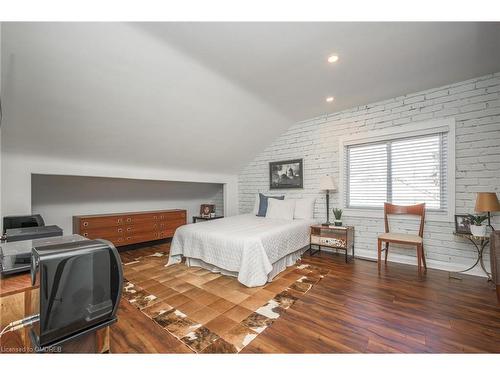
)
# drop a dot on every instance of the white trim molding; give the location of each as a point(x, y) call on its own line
point(408, 130)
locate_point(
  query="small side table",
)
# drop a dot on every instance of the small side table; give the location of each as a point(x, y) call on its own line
point(479, 243)
point(197, 218)
point(341, 238)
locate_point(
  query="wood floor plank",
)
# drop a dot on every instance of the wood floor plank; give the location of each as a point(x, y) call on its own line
point(353, 309)
point(136, 333)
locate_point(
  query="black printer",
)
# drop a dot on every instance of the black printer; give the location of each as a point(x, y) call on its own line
point(15, 257)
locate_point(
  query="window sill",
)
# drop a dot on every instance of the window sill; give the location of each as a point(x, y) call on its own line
point(379, 214)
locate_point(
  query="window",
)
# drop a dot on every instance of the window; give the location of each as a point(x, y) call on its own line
point(405, 170)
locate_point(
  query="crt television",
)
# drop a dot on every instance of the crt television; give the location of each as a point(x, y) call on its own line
point(80, 289)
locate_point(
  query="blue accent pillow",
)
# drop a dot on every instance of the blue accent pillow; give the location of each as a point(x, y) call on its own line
point(263, 201)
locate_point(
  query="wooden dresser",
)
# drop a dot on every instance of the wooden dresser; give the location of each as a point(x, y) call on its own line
point(130, 227)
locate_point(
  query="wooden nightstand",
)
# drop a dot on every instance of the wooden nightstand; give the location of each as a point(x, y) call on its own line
point(341, 238)
point(196, 218)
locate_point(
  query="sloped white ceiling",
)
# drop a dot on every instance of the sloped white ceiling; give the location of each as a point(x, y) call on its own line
point(208, 97)
point(113, 93)
point(286, 65)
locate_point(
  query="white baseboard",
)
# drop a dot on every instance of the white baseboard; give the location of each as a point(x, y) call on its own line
point(434, 264)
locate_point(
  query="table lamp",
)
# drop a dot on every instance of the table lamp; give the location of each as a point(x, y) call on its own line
point(487, 202)
point(327, 183)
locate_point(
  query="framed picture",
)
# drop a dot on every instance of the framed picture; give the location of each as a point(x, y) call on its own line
point(462, 224)
point(286, 174)
point(207, 210)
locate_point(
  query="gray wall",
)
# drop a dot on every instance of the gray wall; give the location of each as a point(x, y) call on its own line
point(58, 198)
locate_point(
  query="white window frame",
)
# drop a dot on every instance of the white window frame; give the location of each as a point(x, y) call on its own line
point(404, 131)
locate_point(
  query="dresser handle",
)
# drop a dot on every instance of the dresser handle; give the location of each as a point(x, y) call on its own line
point(129, 229)
point(85, 224)
point(129, 219)
point(119, 220)
point(120, 230)
point(128, 238)
point(85, 234)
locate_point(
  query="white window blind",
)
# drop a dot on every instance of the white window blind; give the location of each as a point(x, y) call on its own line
point(401, 171)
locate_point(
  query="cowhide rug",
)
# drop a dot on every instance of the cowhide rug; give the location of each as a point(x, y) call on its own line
point(209, 312)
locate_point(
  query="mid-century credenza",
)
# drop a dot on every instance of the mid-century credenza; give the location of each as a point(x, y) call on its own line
point(130, 227)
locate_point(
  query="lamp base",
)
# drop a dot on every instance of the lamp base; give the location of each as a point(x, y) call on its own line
point(489, 221)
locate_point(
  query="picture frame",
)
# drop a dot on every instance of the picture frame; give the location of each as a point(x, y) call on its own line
point(207, 210)
point(286, 174)
point(462, 224)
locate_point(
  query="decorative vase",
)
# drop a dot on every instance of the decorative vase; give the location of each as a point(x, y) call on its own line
point(338, 223)
point(478, 230)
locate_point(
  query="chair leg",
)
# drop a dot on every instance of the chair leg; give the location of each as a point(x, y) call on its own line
point(423, 257)
point(419, 258)
point(386, 251)
point(379, 258)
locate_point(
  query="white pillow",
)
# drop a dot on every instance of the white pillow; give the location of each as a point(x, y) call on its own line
point(280, 209)
point(304, 208)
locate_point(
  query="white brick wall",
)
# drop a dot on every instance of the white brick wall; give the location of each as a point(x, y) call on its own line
point(475, 105)
point(218, 200)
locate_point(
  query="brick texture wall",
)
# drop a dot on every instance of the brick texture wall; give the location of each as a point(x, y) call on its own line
point(218, 200)
point(475, 105)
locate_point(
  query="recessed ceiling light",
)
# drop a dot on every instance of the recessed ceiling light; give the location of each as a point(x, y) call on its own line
point(333, 58)
point(329, 99)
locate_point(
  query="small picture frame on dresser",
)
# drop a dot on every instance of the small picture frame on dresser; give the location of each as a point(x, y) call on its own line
point(207, 210)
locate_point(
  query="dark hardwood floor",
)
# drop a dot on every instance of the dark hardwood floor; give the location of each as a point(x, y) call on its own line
point(355, 309)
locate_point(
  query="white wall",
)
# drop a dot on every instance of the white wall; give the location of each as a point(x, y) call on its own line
point(58, 198)
point(475, 106)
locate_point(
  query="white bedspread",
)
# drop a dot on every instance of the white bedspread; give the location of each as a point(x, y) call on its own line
point(245, 244)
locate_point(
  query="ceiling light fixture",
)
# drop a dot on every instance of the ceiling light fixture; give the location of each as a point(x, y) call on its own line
point(333, 58)
point(329, 99)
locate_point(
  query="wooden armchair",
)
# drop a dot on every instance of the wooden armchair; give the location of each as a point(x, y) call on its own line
point(403, 238)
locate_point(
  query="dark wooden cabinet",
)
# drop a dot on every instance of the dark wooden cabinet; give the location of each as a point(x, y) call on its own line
point(130, 227)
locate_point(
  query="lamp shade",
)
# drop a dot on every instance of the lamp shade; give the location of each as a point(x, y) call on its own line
point(487, 202)
point(327, 183)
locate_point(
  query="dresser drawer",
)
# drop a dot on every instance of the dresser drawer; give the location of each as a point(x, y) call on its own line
point(103, 232)
point(167, 216)
point(101, 222)
point(116, 238)
point(127, 240)
point(144, 227)
point(138, 219)
point(174, 224)
point(117, 241)
point(167, 233)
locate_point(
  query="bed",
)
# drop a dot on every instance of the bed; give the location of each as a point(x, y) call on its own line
point(253, 249)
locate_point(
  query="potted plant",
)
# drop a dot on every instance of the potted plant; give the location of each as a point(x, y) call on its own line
point(476, 227)
point(337, 212)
